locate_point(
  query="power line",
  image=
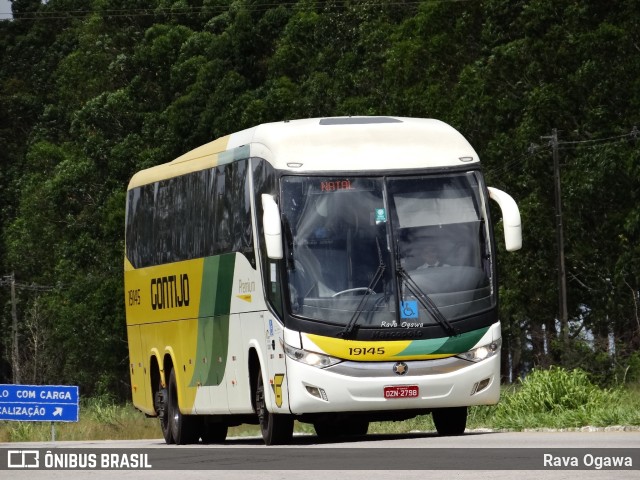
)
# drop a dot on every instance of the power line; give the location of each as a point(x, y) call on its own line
point(44, 14)
point(634, 134)
point(598, 141)
point(534, 148)
point(9, 281)
point(506, 166)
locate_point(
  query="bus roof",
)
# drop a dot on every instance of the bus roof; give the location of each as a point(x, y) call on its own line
point(329, 144)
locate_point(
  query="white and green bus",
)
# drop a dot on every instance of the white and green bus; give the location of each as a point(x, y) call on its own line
point(334, 271)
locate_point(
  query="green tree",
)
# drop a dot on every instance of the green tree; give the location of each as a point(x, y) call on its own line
point(91, 92)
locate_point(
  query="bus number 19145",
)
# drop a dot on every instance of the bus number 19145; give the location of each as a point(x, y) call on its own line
point(356, 351)
point(134, 297)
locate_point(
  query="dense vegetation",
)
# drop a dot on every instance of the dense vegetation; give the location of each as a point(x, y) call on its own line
point(92, 91)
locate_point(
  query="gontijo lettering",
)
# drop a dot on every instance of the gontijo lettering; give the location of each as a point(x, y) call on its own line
point(170, 292)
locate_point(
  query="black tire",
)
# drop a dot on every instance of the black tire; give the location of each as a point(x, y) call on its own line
point(450, 421)
point(277, 429)
point(183, 427)
point(163, 415)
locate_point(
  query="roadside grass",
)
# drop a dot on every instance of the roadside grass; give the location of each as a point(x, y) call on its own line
point(559, 398)
point(554, 398)
point(100, 419)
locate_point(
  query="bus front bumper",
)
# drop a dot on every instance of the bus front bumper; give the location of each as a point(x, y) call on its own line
point(365, 386)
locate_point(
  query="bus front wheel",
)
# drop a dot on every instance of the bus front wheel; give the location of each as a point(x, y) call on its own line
point(276, 429)
point(450, 421)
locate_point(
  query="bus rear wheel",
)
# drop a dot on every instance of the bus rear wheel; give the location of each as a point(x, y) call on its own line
point(276, 429)
point(450, 421)
point(183, 428)
point(161, 405)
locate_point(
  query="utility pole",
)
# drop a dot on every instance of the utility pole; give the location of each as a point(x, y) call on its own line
point(562, 276)
point(10, 280)
point(15, 350)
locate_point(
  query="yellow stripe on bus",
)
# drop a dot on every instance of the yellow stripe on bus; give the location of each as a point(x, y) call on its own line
point(205, 156)
point(370, 351)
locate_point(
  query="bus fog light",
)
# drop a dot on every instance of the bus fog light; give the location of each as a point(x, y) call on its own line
point(481, 385)
point(317, 392)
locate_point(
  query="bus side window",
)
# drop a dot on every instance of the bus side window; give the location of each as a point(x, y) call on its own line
point(243, 231)
point(224, 222)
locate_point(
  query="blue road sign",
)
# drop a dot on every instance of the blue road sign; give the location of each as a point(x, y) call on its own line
point(39, 403)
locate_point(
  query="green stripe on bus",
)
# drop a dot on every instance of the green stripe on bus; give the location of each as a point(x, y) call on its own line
point(464, 342)
point(447, 345)
point(422, 347)
point(213, 321)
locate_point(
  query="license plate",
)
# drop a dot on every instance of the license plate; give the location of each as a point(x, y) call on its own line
point(401, 391)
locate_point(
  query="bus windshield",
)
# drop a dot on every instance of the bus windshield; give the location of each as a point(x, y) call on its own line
point(384, 252)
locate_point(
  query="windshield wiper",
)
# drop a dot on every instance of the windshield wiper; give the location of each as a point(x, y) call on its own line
point(350, 328)
point(423, 298)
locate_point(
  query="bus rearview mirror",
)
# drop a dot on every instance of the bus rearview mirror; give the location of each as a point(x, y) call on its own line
point(272, 227)
point(510, 219)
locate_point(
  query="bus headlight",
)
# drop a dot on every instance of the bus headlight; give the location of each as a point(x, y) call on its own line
point(310, 358)
point(483, 352)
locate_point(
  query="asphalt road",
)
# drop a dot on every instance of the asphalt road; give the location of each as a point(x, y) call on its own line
point(380, 457)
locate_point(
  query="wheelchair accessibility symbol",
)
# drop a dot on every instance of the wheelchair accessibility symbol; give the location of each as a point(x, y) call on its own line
point(409, 309)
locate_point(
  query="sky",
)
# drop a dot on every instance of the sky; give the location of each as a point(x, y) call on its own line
point(5, 9)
